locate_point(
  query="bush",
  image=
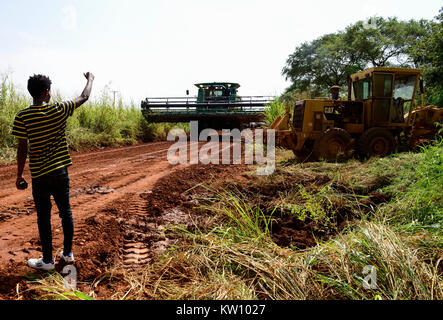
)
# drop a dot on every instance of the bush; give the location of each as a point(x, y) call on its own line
point(276, 108)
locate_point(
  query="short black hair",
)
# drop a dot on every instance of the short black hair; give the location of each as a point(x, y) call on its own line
point(38, 84)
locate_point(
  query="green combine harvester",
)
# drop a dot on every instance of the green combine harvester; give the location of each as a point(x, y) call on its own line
point(217, 106)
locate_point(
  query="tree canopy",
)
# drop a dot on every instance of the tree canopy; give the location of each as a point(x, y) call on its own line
point(428, 53)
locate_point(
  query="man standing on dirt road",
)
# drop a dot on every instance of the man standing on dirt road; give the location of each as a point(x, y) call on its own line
point(43, 125)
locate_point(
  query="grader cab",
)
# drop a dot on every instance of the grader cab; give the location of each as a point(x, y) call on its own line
point(377, 114)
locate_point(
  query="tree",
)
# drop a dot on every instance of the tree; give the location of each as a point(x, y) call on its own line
point(320, 64)
point(330, 59)
point(388, 42)
point(428, 54)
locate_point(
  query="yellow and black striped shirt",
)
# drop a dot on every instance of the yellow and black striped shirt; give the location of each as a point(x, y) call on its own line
point(44, 127)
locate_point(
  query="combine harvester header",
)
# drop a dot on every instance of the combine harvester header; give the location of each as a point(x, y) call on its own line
point(217, 106)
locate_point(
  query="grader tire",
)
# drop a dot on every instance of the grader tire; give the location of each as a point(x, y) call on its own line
point(334, 145)
point(376, 142)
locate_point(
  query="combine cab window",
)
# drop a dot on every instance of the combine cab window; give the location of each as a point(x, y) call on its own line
point(363, 89)
point(213, 93)
point(218, 93)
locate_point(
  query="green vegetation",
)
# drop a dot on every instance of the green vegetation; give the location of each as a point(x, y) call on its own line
point(11, 101)
point(429, 54)
point(96, 124)
point(245, 220)
point(274, 110)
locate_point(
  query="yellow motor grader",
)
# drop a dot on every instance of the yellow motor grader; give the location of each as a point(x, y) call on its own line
point(377, 115)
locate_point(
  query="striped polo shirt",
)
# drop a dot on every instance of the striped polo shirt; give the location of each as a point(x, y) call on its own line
point(44, 127)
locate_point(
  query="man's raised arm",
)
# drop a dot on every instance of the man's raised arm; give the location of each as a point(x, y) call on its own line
point(86, 92)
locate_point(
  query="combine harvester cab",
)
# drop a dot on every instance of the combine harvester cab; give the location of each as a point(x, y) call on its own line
point(217, 106)
point(378, 115)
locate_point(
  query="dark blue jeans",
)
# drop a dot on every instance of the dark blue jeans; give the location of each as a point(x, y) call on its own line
point(55, 183)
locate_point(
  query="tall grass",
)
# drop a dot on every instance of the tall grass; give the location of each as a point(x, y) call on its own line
point(278, 107)
point(416, 186)
point(244, 219)
point(275, 109)
point(11, 101)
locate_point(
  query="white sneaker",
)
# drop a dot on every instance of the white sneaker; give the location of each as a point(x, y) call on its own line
point(69, 258)
point(40, 265)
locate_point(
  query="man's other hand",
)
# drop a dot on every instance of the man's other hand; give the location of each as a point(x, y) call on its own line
point(21, 183)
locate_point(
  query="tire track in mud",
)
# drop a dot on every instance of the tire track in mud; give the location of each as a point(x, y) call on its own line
point(143, 231)
point(135, 252)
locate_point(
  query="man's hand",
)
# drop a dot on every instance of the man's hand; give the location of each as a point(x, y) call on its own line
point(89, 76)
point(87, 91)
point(21, 183)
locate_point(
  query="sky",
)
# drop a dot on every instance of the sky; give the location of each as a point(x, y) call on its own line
point(147, 48)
